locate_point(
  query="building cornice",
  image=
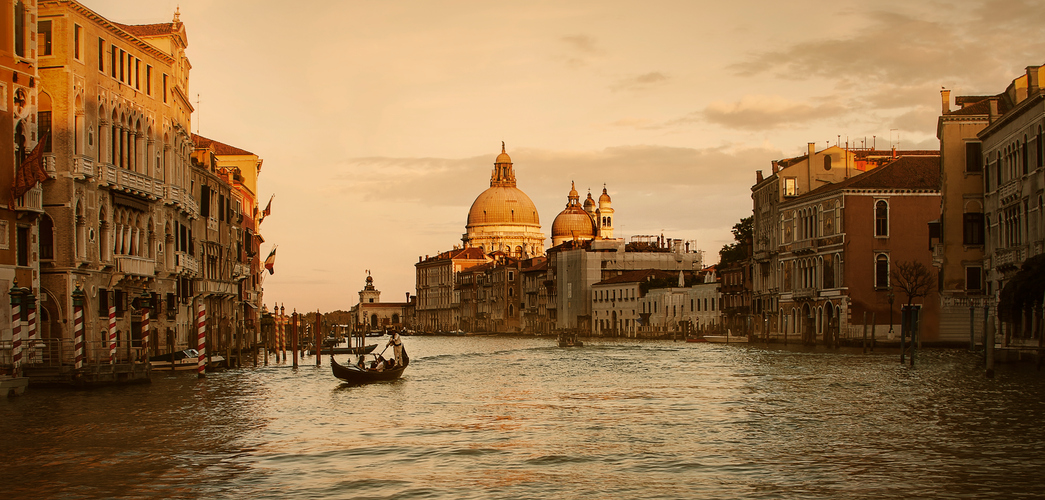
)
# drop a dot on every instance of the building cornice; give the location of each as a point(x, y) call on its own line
point(112, 28)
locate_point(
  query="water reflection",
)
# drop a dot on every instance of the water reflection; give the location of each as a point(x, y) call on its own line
point(515, 417)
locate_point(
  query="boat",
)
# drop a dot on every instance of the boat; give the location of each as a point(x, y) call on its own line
point(569, 340)
point(726, 339)
point(187, 359)
point(696, 339)
point(347, 350)
point(355, 375)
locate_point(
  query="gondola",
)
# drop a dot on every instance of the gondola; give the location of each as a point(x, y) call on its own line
point(354, 375)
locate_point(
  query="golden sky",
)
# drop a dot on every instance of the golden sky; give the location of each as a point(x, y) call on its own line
point(379, 121)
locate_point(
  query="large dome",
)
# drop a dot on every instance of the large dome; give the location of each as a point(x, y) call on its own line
point(503, 205)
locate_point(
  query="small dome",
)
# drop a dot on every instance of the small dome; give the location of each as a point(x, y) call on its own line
point(573, 192)
point(605, 198)
point(503, 157)
point(573, 222)
point(589, 203)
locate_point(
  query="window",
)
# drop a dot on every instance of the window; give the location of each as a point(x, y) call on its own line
point(164, 87)
point(19, 28)
point(77, 36)
point(827, 162)
point(43, 38)
point(973, 157)
point(44, 127)
point(101, 54)
point(137, 74)
point(204, 201)
point(22, 245)
point(46, 250)
point(113, 63)
point(790, 186)
point(972, 229)
point(881, 219)
point(123, 72)
point(881, 271)
point(103, 303)
point(973, 278)
point(148, 79)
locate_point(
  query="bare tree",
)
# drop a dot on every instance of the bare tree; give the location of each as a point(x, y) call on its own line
point(913, 279)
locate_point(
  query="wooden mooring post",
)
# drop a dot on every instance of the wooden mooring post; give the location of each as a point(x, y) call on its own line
point(294, 337)
point(865, 333)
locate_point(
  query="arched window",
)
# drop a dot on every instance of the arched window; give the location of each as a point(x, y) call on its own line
point(881, 271)
point(827, 162)
point(881, 219)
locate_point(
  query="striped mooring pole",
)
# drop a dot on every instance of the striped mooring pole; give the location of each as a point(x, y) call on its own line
point(30, 306)
point(112, 332)
point(201, 341)
point(78, 326)
point(16, 328)
point(145, 299)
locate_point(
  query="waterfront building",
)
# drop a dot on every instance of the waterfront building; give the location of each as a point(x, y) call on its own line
point(438, 300)
point(503, 218)
point(19, 135)
point(535, 285)
point(120, 211)
point(370, 314)
point(705, 308)
point(491, 298)
point(618, 303)
point(840, 243)
point(791, 178)
point(577, 265)
point(958, 237)
point(1014, 180)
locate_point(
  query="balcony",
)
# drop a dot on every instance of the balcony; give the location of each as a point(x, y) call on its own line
point(215, 287)
point(1009, 258)
point(804, 246)
point(137, 266)
point(1008, 191)
point(83, 167)
point(186, 264)
point(240, 270)
point(139, 184)
point(31, 201)
point(805, 294)
point(178, 197)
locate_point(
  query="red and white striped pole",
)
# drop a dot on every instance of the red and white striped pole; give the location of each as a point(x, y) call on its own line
point(30, 304)
point(78, 345)
point(145, 326)
point(16, 328)
point(201, 341)
point(112, 332)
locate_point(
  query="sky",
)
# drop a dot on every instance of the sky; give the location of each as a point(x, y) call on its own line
point(379, 121)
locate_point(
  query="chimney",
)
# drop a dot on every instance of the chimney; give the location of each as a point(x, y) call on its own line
point(812, 151)
point(945, 97)
point(894, 152)
point(994, 109)
point(1032, 79)
point(776, 166)
point(758, 176)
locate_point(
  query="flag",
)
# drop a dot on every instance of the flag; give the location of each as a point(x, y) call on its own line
point(267, 210)
point(270, 261)
point(31, 172)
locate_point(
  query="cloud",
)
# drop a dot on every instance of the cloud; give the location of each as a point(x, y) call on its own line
point(581, 50)
point(919, 119)
point(640, 82)
point(974, 46)
point(760, 112)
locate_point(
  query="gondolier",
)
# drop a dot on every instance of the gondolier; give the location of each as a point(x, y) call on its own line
point(397, 347)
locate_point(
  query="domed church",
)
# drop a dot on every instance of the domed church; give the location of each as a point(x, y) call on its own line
point(580, 223)
point(503, 218)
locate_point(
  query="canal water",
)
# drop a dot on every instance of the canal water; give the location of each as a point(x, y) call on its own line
point(495, 417)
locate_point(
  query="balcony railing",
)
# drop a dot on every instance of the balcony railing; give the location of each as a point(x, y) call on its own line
point(140, 184)
point(804, 293)
point(138, 266)
point(178, 197)
point(218, 287)
point(240, 270)
point(31, 201)
point(83, 166)
point(185, 264)
point(1007, 190)
point(1010, 257)
point(50, 165)
point(804, 246)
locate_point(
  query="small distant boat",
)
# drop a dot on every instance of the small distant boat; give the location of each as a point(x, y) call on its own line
point(187, 359)
point(355, 375)
point(347, 350)
point(726, 339)
point(696, 339)
point(569, 340)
